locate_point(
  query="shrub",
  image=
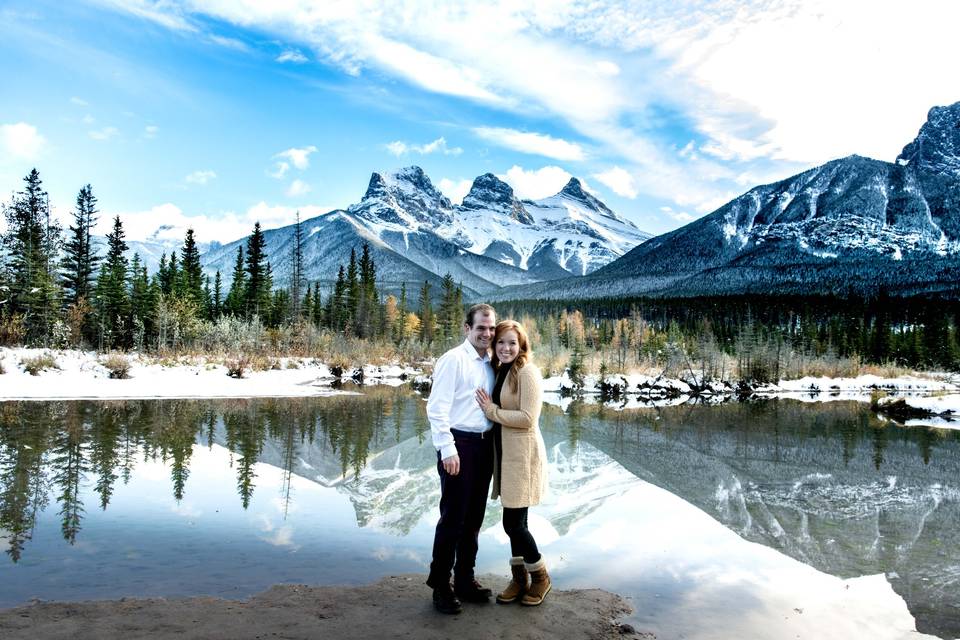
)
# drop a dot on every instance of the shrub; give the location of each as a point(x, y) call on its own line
point(117, 364)
point(39, 363)
point(2, 370)
point(236, 367)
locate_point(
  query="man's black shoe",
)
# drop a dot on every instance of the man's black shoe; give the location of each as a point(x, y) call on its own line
point(445, 601)
point(472, 591)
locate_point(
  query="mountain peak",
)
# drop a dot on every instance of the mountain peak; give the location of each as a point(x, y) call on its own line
point(936, 149)
point(490, 192)
point(575, 191)
point(395, 196)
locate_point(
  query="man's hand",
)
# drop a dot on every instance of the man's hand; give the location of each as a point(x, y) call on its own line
point(452, 465)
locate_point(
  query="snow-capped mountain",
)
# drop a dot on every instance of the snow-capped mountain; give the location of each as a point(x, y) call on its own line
point(415, 233)
point(853, 225)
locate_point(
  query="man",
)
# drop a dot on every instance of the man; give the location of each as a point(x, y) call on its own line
point(461, 435)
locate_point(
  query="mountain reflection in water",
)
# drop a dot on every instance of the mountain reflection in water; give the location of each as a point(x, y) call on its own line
point(828, 484)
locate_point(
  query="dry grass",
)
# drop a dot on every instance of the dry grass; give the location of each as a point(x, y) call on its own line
point(117, 364)
point(38, 363)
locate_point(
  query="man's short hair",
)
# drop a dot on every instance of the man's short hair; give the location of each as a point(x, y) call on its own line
point(482, 309)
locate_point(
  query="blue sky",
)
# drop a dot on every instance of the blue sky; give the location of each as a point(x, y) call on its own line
point(216, 114)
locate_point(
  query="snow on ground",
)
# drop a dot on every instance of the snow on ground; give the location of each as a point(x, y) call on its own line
point(82, 375)
point(866, 384)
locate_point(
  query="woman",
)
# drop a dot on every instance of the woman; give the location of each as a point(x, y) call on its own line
point(519, 476)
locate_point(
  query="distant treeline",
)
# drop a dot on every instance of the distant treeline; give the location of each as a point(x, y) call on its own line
point(913, 332)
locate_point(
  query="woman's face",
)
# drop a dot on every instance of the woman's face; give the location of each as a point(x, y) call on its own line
point(508, 346)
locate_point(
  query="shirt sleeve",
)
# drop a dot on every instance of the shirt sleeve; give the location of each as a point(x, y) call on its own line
point(439, 404)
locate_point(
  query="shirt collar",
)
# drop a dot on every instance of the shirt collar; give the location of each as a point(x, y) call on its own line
point(473, 352)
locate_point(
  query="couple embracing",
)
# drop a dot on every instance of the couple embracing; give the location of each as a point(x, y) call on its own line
point(484, 412)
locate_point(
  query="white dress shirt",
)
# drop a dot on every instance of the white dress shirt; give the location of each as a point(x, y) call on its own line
point(453, 403)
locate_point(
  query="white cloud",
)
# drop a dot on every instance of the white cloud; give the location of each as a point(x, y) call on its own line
point(679, 216)
point(778, 82)
point(534, 143)
point(88, 119)
point(456, 190)
point(80, 102)
point(229, 43)
point(399, 148)
point(21, 140)
point(536, 183)
point(224, 226)
point(280, 170)
point(105, 133)
point(619, 181)
point(150, 131)
point(292, 56)
point(299, 157)
point(200, 177)
point(297, 188)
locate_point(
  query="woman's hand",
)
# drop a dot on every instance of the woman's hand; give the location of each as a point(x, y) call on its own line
point(484, 400)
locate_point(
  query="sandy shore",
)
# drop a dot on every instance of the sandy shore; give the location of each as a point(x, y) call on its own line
point(395, 607)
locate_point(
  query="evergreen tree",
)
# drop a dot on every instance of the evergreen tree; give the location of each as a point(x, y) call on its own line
point(317, 306)
point(31, 243)
point(141, 303)
point(336, 303)
point(80, 260)
point(113, 303)
point(296, 283)
point(257, 296)
point(236, 297)
point(306, 306)
point(427, 320)
point(353, 292)
point(191, 274)
point(217, 296)
point(399, 327)
point(450, 308)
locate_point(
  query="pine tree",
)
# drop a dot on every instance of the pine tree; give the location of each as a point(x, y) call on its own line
point(31, 242)
point(235, 304)
point(296, 284)
point(336, 303)
point(141, 303)
point(257, 296)
point(427, 320)
point(80, 260)
point(353, 292)
point(217, 297)
point(317, 306)
point(449, 315)
point(399, 329)
point(113, 303)
point(191, 274)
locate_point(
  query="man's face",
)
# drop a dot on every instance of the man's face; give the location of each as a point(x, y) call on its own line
point(481, 333)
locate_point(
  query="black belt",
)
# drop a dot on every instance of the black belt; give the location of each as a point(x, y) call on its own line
point(471, 435)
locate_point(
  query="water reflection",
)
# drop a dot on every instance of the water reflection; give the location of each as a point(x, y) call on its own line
point(174, 497)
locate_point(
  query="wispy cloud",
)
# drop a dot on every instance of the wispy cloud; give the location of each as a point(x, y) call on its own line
point(533, 143)
point(536, 183)
point(223, 226)
point(200, 177)
point(297, 188)
point(400, 148)
point(299, 157)
point(679, 216)
point(106, 133)
point(292, 55)
point(21, 140)
point(150, 131)
point(619, 181)
point(80, 102)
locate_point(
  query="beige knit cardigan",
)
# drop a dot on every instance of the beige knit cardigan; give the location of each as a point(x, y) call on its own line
point(520, 478)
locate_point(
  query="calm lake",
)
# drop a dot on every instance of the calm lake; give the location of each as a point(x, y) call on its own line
point(772, 519)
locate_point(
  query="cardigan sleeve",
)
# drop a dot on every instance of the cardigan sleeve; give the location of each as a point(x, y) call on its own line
point(530, 390)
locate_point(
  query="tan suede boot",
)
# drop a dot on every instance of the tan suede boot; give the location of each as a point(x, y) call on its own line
point(518, 585)
point(539, 584)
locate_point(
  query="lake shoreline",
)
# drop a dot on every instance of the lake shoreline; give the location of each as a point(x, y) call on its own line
point(395, 606)
point(81, 375)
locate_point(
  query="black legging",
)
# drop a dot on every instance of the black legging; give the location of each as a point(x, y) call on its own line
point(521, 542)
